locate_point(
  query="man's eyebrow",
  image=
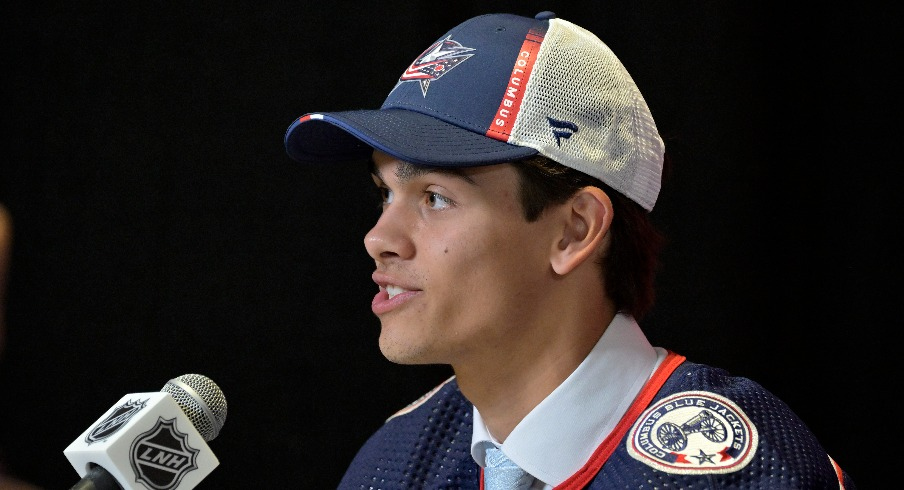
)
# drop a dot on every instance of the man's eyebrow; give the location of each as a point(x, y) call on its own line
point(407, 171)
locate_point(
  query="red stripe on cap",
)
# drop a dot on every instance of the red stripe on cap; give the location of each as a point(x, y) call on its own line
point(504, 119)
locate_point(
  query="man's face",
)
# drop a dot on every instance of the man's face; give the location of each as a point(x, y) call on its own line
point(460, 270)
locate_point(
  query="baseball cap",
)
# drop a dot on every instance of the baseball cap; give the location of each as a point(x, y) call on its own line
point(498, 88)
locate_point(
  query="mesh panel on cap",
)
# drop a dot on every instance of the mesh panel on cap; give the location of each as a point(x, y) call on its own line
point(579, 80)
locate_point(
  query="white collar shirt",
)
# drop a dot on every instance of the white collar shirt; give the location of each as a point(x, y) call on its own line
point(560, 434)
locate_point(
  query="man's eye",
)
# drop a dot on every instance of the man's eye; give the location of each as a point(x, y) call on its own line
point(385, 195)
point(438, 201)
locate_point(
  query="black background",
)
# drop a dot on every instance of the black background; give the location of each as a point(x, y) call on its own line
point(160, 229)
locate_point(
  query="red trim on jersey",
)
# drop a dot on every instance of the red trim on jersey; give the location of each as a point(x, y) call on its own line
point(608, 446)
point(421, 400)
point(504, 119)
point(838, 473)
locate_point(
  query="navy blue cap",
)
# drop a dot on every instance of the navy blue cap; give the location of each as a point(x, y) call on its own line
point(441, 108)
point(499, 88)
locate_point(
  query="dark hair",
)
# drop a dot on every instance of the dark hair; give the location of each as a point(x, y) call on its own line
point(629, 266)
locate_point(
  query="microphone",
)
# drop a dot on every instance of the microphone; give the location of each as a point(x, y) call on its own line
point(152, 441)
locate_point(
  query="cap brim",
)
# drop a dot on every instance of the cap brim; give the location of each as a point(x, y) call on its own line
point(407, 135)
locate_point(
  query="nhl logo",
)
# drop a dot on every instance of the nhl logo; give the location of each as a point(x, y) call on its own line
point(118, 418)
point(161, 456)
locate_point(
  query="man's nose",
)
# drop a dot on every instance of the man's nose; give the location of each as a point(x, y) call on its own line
point(390, 237)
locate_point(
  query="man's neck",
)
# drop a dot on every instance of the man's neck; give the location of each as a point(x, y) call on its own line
point(508, 386)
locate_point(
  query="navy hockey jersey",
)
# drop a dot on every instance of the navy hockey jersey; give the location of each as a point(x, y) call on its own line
point(691, 427)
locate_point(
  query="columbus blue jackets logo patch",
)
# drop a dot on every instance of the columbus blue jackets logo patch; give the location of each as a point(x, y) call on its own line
point(436, 61)
point(117, 418)
point(694, 432)
point(161, 456)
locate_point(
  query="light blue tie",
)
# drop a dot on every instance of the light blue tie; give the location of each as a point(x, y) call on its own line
point(501, 473)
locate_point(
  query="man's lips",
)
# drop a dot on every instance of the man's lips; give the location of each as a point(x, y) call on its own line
point(382, 303)
point(392, 293)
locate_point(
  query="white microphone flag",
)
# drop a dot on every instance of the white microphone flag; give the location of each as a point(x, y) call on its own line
point(145, 441)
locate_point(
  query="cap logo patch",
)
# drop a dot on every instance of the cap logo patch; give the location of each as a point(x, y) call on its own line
point(562, 129)
point(435, 62)
point(694, 432)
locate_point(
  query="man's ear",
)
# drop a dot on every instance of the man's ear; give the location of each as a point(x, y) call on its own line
point(587, 217)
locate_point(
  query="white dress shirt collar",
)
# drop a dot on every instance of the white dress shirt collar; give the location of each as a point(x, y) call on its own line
point(560, 434)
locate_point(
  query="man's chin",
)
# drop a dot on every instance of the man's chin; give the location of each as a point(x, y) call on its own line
point(403, 353)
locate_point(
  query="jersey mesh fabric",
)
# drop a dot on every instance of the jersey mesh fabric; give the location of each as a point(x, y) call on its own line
point(788, 456)
point(428, 447)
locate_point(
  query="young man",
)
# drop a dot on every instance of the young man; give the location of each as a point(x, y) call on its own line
point(518, 162)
